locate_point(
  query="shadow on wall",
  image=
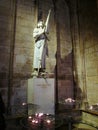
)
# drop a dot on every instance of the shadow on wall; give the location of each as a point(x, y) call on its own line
point(65, 84)
point(78, 95)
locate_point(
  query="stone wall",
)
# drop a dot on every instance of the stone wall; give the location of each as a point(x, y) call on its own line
point(91, 52)
point(6, 23)
point(85, 51)
point(16, 57)
point(23, 52)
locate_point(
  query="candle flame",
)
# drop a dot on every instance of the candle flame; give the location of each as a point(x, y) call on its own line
point(23, 103)
point(30, 117)
point(36, 121)
point(33, 121)
point(40, 114)
point(48, 121)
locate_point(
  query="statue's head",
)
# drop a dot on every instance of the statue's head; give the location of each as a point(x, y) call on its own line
point(40, 23)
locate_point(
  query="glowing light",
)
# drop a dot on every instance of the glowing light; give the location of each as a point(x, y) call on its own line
point(47, 114)
point(40, 114)
point(69, 100)
point(96, 103)
point(33, 121)
point(30, 117)
point(23, 103)
point(36, 114)
point(91, 107)
point(36, 121)
point(48, 121)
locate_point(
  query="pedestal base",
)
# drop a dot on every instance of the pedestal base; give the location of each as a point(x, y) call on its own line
point(41, 93)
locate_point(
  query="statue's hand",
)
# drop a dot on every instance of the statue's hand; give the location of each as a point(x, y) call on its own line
point(42, 31)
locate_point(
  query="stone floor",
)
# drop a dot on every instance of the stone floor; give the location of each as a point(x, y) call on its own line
point(15, 125)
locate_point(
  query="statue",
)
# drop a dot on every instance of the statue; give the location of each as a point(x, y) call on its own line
point(40, 47)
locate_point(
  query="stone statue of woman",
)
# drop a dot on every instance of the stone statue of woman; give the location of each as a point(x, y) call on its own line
point(40, 46)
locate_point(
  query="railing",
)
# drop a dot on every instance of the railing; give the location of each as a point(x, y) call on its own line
point(86, 123)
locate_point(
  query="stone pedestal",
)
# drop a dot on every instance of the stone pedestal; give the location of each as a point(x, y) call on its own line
point(41, 95)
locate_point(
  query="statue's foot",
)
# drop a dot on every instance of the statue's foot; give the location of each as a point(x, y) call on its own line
point(43, 74)
point(35, 73)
